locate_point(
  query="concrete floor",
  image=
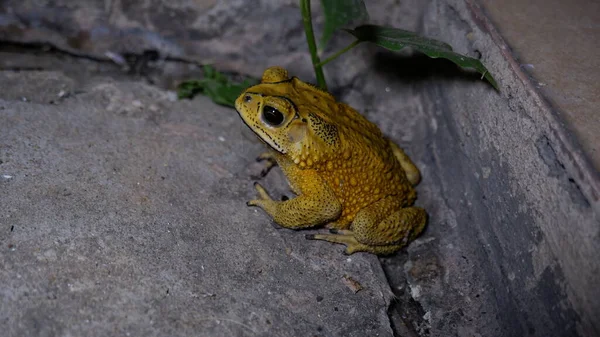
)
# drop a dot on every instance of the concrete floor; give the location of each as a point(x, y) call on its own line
point(122, 216)
point(556, 42)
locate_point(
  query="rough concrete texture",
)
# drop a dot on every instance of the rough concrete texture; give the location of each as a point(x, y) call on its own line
point(568, 31)
point(123, 213)
point(512, 245)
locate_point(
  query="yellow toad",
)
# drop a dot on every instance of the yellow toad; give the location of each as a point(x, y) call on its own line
point(345, 173)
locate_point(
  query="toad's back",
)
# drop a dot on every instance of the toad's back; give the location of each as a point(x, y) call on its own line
point(363, 167)
point(366, 171)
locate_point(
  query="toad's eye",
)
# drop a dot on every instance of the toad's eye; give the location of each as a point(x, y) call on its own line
point(272, 116)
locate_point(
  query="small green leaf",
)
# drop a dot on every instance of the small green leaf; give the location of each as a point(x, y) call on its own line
point(225, 93)
point(339, 13)
point(189, 89)
point(216, 86)
point(395, 39)
point(209, 71)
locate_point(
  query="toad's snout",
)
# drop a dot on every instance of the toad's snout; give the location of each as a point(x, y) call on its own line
point(247, 102)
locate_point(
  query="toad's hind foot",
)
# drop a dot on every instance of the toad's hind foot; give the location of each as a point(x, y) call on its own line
point(346, 237)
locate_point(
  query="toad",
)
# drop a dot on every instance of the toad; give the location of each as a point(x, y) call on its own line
point(344, 172)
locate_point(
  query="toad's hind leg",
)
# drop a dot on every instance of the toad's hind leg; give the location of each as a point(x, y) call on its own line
point(376, 230)
point(411, 170)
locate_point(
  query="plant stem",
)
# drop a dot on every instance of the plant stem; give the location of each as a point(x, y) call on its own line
point(312, 46)
point(332, 57)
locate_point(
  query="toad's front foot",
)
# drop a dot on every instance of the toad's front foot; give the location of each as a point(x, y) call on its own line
point(264, 201)
point(271, 162)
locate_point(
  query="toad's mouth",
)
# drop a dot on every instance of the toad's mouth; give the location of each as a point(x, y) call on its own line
point(264, 136)
point(270, 141)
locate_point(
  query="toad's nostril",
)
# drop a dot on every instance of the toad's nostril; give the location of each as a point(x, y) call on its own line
point(247, 98)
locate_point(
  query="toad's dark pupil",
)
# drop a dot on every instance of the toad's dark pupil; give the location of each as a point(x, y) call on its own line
point(272, 116)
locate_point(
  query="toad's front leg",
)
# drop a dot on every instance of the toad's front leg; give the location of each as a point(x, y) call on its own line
point(315, 204)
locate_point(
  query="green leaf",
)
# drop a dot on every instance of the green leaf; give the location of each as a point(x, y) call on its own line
point(216, 86)
point(339, 13)
point(189, 89)
point(395, 39)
